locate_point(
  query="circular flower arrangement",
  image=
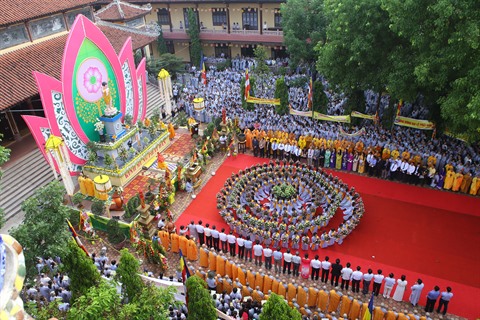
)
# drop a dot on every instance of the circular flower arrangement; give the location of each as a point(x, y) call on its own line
point(289, 204)
point(284, 191)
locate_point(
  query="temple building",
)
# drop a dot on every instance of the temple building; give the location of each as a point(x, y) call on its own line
point(227, 28)
point(32, 38)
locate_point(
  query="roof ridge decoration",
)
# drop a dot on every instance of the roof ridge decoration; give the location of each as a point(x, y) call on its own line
point(129, 29)
point(73, 104)
point(119, 7)
point(118, 3)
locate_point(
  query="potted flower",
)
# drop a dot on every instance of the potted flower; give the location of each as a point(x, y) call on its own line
point(77, 200)
point(99, 126)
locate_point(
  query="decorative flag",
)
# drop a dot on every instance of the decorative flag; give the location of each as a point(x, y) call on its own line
point(247, 85)
point(399, 107)
point(204, 74)
point(184, 267)
point(310, 94)
point(76, 238)
point(369, 312)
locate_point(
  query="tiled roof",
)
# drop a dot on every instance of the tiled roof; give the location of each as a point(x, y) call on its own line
point(14, 11)
point(122, 11)
point(17, 82)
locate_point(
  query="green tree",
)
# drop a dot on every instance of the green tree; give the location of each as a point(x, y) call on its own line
point(127, 274)
point(281, 92)
point(443, 55)
point(194, 34)
point(152, 303)
point(4, 156)
point(99, 302)
point(304, 25)
point(161, 43)
point(260, 54)
point(276, 308)
point(359, 42)
point(167, 61)
point(319, 99)
point(81, 270)
point(43, 232)
point(200, 303)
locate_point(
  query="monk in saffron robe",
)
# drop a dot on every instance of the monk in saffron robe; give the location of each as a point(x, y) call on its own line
point(402, 316)
point(183, 244)
point(212, 261)
point(203, 257)
point(220, 265)
point(228, 269)
point(334, 301)
point(171, 130)
point(364, 310)
point(275, 286)
point(378, 314)
point(282, 290)
point(466, 182)
point(234, 271)
point(457, 181)
point(312, 297)
point(322, 300)
point(301, 296)
point(250, 277)
point(192, 251)
point(291, 292)
point(449, 177)
point(245, 291)
point(267, 284)
point(256, 296)
point(241, 276)
point(346, 303)
point(165, 238)
point(199, 274)
point(475, 186)
point(249, 139)
point(227, 284)
point(390, 315)
point(259, 280)
point(175, 244)
point(354, 310)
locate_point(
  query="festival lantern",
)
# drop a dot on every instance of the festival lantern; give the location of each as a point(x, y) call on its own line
point(102, 186)
point(57, 153)
point(165, 86)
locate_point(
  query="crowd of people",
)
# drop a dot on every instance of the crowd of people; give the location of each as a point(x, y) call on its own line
point(223, 92)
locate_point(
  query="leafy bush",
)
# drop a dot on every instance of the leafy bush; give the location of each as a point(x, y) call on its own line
point(115, 234)
point(284, 191)
point(98, 207)
point(78, 198)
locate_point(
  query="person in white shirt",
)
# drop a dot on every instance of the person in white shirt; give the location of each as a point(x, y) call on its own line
point(389, 283)
point(367, 279)
point(287, 261)
point(241, 247)
point(325, 269)
point(231, 239)
point(215, 238)
point(377, 282)
point(357, 276)
point(316, 265)
point(346, 275)
point(208, 235)
point(277, 258)
point(257, 253)
point(161, 224)
point(200, 232)
point(267, 253)
point(193, 230)
point(223, 240)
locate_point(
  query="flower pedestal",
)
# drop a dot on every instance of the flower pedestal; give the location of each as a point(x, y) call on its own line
point(113, 125)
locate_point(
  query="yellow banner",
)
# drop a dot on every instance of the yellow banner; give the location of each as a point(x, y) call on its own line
point(321, 116)
point(300, 113)
point(414, 123)
point(251, 99)
point(357, 114)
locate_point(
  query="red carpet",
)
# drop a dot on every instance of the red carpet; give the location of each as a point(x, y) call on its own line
point(420, 232)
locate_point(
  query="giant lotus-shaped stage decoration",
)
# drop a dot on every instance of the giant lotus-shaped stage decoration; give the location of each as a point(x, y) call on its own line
point(73, 105)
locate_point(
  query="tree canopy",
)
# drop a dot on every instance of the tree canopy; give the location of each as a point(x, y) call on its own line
point(281, 92)
point(200, 303)
point(43, 232)
point(277, 308)
point(4, 156)
point(127, 274)
point(303, 23)
point(194, 34)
